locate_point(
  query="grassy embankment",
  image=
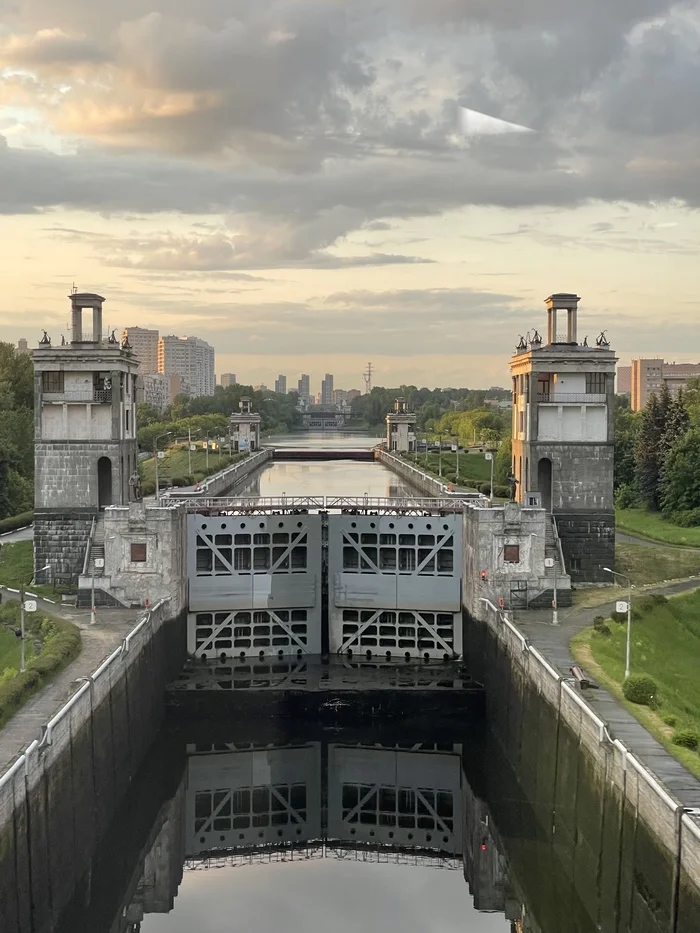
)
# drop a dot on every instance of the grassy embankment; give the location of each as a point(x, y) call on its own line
point(174, 468)
point(17, 570)
point(666, 647)
point(50, 645)
point(655, 527)
point(474, 469)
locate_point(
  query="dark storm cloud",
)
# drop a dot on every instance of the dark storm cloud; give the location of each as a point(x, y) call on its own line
point(321, 118)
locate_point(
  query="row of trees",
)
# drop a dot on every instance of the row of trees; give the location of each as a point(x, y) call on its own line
point(16, 431)
point(429, 406)
point(657, 455)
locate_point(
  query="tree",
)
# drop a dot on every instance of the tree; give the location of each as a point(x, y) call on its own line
point(627, 425)
point(147, 414)
point(648, 454)
point(677, 422)
point(681, 476)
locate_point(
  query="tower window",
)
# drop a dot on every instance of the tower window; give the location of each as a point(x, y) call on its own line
point(52, 382)
point(511, 553)
point(595, 383)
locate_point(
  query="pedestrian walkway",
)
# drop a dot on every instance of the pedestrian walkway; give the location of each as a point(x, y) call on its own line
point(553, 642)
point(98, 642)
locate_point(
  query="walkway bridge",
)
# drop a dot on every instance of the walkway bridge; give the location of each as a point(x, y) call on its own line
point(349, 576)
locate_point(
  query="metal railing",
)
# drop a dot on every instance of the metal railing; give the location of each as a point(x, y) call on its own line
point(557, 541)
point(682, 816)
point(374, 504)
point(106, 669)
point(79, 395)
point(555, 398)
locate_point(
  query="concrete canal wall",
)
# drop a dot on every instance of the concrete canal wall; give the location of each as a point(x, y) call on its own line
point(219, 484)
point(417, 478)
point(629, 849)
point(60, 796)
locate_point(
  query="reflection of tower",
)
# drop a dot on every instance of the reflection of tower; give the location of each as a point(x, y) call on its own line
point(162, 869)
point(85, 437)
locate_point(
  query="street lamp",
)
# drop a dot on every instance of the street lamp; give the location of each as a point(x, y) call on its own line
point(155, 454)
point(456, 437)
point(616, 573)
point(440, 455)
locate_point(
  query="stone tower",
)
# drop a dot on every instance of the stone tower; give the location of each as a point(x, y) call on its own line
point(563, 436)
point(85, 436)
point(401, 428)
point(245, 428)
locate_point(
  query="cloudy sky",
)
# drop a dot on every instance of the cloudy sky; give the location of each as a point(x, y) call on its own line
point(312, 184)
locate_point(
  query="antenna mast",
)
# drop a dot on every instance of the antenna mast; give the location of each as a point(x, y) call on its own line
point(367, 376)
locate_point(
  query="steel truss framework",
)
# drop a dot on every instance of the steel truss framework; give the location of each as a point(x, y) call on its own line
point(375, 505)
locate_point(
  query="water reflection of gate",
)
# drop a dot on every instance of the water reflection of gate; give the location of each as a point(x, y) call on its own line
point(241, 801)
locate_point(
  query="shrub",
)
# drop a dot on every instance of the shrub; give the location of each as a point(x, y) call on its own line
point(685, 519)
point(198, 477)
point(189, 480)
point(686, 738)
point(600, 626)
point(148, 488)
point(501, 492)
point(669, 719)
point(485, 488)
point(16, 521)
point(179, 481)
point(450, 477)
point(640, 689)
point(625, 496)
point(618, 616)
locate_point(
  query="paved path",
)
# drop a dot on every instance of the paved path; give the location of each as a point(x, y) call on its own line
point(628, 538)
point(99, 641)
point(553, 642)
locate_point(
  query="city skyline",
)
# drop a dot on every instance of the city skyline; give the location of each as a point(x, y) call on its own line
point(300, 182)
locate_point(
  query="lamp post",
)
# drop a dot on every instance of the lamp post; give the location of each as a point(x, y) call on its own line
point(456, 437)
point(189, 451)
point(440, 455)
point(155, 455)
point(207, 453)
point(615, 573)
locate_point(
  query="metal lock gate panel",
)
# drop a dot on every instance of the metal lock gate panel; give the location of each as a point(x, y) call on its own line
point(395, 585)
point(254, 585)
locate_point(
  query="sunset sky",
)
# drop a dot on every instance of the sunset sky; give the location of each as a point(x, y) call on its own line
point(296, 182)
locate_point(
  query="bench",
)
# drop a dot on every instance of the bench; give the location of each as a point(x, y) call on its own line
point(579, 676)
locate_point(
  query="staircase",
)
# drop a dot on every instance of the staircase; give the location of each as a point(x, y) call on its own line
point(97, 548)
point(551, 549)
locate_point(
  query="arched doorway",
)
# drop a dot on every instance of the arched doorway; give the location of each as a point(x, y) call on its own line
point(544, 482)
point(104, 482)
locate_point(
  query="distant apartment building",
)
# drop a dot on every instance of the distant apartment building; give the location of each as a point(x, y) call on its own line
point(648, 376)
point(304, 389)
point(281, 385)
point(352, 394)
point(623, 386)
point(155, 390)
point(228, 379)
point(190, 358)
point(260, 388)
point(144, 344)
point(340, 397)
point(22, 345)
point(327, 390)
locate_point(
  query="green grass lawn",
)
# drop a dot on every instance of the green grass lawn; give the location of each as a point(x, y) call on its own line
point(666, 646)
point(17, 569)
point(474, 469)
point(644, 564)
point(654, 526)
point(10, 650)
point(176, 463)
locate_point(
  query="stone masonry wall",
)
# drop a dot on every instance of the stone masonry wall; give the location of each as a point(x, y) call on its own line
point(588, 543)
point(60, 539)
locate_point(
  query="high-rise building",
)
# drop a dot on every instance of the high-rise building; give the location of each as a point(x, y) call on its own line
point(623, 385)
point(304, 388)
point(190, 358)
point(648, 377)
point(228, 379)
point(22, 345)
point(144, 345)
point(155, 390)
point(281, 385)
point(327, 390)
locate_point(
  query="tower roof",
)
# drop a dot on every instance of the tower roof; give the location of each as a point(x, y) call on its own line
point(86, 296)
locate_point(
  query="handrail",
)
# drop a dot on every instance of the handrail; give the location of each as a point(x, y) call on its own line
point(629, 758)
point(88, 550)
point(557, 539)
point(88, 684)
